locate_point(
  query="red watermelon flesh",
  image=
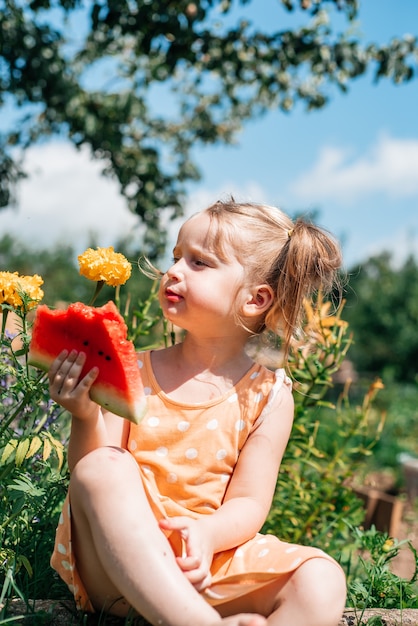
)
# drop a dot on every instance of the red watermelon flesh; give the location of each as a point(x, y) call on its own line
point(101, 333)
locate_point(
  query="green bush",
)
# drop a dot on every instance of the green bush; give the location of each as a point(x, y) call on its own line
point(313, 502)
point(33, 436)
point(372, 584)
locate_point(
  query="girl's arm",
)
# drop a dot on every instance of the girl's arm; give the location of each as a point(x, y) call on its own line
point(249, 496)
point(106, 429)
point(91, 427)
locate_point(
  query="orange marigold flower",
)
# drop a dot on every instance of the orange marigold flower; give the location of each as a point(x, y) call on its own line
point(14, 289)
point(105, 265)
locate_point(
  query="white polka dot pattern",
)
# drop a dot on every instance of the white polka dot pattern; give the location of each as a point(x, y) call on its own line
point(191, 450)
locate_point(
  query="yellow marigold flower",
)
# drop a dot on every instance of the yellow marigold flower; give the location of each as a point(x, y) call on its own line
point(105, 265)
point(31, 286)
point(8, 287)
point(13, 288)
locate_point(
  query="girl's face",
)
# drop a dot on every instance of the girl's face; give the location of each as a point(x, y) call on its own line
point(200, 291)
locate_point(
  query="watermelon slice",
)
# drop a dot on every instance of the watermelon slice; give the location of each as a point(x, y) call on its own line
point(101, 333)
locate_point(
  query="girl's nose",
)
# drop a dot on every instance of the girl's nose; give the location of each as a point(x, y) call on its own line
point(175, 270)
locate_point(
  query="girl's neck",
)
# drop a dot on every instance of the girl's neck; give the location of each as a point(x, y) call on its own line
point(214, 354)
point(198, 371)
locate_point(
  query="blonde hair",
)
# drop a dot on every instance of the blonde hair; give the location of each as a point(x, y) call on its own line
point(294, 258)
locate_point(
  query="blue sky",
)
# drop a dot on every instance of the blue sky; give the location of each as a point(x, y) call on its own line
point(355, 162)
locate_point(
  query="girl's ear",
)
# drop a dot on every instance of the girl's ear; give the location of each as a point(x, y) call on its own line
point(259, 301)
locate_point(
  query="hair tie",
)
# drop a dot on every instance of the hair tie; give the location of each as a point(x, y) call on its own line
point(290, 232)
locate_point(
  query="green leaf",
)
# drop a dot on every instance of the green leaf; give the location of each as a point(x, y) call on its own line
point(21, 451)
point(9, 448)
point(35, 444)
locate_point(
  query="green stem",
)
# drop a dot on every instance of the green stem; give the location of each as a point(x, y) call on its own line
point(28, 395)
point(24, 337)
point(5, 313)
point(117, 297)
point(99, 286)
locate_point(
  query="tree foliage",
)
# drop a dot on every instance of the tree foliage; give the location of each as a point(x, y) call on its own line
point(382, 310)
point(173, 74)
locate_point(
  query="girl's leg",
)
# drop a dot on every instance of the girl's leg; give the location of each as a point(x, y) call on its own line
point(123, 558)
point(313, 595)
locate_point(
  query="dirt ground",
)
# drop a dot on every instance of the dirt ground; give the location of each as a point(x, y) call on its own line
point(62, 614)
point(56, 613)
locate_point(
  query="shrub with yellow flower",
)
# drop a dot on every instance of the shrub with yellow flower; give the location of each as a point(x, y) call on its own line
point(20, 291)
point(33, 428)
point(320, 350)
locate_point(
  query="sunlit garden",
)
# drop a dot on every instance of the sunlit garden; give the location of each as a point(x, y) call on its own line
point(153, 98)
point(345, 431)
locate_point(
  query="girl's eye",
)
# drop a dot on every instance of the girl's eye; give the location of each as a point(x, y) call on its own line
point(202, 262)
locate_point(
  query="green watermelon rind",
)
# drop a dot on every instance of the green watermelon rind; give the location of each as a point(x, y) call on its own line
point(134, 413)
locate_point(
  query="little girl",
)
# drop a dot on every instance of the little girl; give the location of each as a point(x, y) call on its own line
point(163, 518)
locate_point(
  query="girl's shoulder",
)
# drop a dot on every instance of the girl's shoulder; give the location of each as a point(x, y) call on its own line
point(269, 378)
point(276, 385)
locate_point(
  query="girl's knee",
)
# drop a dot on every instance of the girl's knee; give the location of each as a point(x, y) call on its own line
point(102, 468)
point(323, 585)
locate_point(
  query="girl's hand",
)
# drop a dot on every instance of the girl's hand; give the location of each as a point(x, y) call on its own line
point(66, 388)
point(197, 550)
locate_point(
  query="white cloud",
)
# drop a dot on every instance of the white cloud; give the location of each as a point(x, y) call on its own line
point(389, 167)
point(65, 199)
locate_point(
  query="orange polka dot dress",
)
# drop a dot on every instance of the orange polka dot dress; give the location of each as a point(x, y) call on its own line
point(186, 454)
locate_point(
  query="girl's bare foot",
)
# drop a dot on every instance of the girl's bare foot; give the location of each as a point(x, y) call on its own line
point(245, 619)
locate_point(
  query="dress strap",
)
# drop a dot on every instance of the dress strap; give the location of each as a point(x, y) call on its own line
point(281, 378)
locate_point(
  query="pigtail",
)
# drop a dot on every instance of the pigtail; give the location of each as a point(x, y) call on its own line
point(307, 262)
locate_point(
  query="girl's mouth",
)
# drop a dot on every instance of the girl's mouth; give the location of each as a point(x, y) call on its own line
point(172, 296)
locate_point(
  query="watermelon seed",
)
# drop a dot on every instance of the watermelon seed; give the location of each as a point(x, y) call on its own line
point(108, 358)
point(85, 343)
point(101, 352)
